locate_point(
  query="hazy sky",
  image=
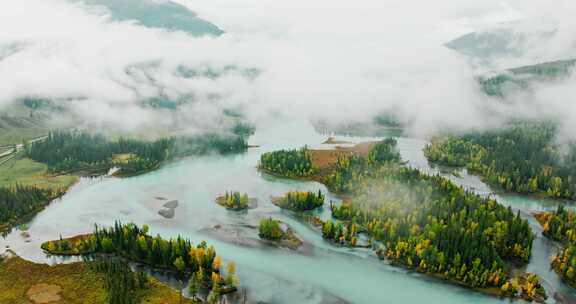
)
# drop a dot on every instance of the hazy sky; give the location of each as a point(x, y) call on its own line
point(337, 59)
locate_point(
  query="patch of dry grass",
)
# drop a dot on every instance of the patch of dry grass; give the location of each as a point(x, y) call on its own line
point(19, 279)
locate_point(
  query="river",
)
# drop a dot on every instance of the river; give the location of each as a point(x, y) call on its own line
point(321, 274)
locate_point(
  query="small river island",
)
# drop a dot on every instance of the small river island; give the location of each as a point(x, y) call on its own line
point(279, 234)
point(299, 201)
point(236, 201)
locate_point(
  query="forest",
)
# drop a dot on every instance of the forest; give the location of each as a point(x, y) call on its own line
point(129, 241)
point(300, 200)
point(560, 225)
point(523, 157)
point(21, 202)
point(290, 163)
point(431, 225)
point(67, 151)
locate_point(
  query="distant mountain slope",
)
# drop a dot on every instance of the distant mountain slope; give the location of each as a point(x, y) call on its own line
point(157, 14)
point(522, 78)
point(503, 42)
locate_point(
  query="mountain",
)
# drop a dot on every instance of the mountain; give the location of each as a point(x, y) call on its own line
point(507, 41)
point(156, 14)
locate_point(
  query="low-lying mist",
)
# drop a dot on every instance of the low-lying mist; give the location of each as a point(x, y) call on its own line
point(331, 60)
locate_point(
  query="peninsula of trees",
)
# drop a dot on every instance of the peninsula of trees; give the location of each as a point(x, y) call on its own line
point(133, 243)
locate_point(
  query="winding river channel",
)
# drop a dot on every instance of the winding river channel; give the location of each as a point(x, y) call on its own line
point(320, 273)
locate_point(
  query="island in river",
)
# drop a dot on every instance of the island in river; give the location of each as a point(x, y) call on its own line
point(236, 201)
point(278, 233)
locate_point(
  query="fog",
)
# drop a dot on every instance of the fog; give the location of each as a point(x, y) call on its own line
point(337, 60)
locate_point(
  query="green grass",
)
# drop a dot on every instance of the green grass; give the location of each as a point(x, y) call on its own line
point(79, 284)
point(25, 171)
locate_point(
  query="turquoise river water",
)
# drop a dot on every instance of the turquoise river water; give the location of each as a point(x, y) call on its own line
point(321, 273)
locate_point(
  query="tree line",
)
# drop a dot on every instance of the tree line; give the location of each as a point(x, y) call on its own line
point(300, 200)
point(522, 157)
point(290, 163)
point(65, 151)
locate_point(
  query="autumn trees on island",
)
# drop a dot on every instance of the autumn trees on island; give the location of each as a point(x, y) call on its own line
point(278, 233)
point(234, 200)
point(133, 243)
point(269, 229)
point(299, 200)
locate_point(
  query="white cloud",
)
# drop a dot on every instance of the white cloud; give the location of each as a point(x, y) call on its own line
point(338, 59)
